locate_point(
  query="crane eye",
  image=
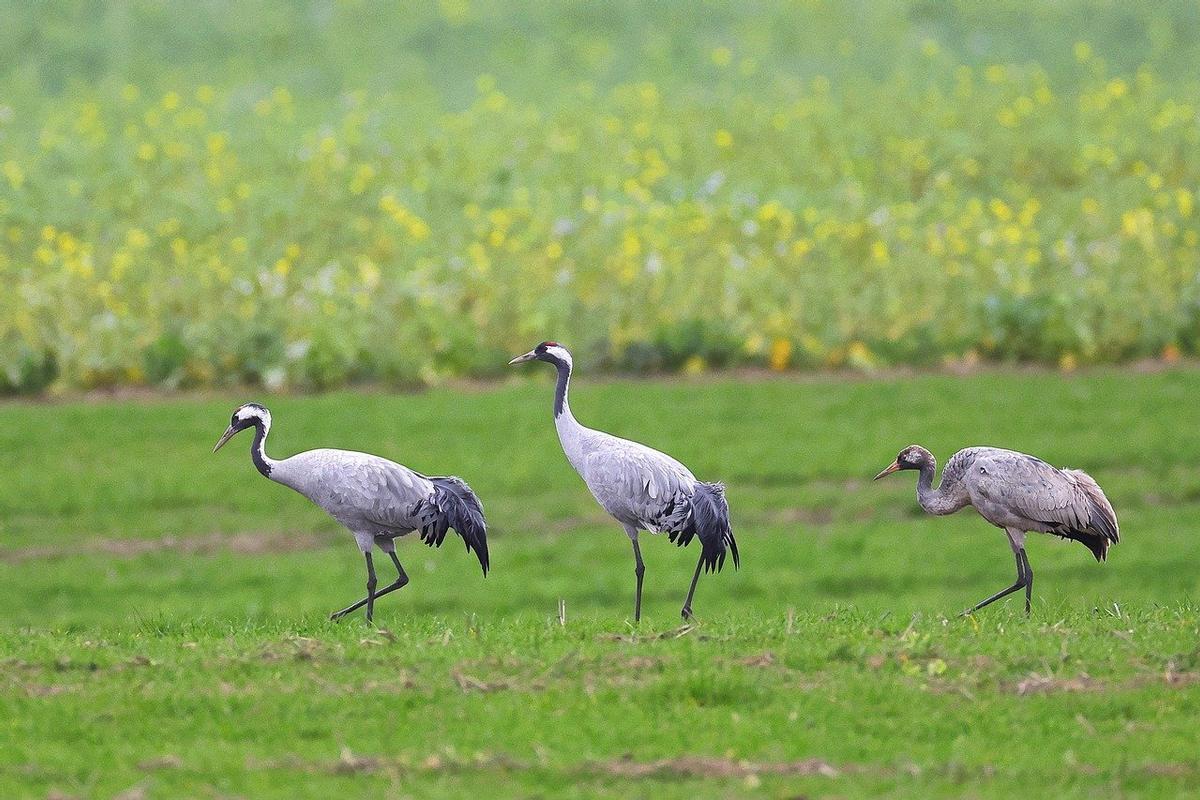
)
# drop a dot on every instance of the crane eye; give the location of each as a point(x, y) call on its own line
point(983, 471)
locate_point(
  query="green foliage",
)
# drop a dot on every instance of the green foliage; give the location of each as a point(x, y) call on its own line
point(164, 628)
point(314, 195)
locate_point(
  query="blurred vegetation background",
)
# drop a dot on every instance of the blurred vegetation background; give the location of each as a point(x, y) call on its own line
point(312, 194)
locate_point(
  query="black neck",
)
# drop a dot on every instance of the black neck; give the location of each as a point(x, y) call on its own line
point(258, 449)
point(560, 391)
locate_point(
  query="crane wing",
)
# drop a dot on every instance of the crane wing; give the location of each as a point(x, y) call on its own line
point(1067, 502)
point(634, 481)
point(381, 491)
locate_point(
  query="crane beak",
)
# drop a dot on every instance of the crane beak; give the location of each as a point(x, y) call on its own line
point(225, 437)
point(530, 356)
point(895, 465)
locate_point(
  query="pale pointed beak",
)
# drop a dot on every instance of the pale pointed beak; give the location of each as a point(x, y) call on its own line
point(225, 437)
point(530, 356)
point(895, 465)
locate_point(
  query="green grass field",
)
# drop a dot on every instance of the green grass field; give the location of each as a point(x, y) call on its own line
point(165, 609)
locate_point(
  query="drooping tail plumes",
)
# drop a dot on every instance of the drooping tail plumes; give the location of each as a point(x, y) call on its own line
point(709, 521)
point(1101, 529)
point(454, 505)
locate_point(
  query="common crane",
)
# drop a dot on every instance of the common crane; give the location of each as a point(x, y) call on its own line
point(1017, 493)
point(378, 500)
point(643, 489)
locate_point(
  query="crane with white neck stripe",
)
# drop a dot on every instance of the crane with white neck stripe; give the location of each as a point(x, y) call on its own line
point(376, 499)
point(641, 488)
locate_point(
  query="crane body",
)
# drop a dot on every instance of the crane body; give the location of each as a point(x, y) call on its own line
point(641, 488)
point(1019, 494)
point(377, 500)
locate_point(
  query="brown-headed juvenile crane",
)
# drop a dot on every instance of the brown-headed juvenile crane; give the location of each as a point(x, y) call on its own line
point(643, 489)
point(376, 499)
point(1017, 493)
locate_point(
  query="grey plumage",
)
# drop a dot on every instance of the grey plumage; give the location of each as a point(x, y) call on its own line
point(376, 499)
point(1018, 493)
point(641, 488)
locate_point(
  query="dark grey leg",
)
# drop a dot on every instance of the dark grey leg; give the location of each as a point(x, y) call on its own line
point(1028, 580)
point(639, 570)
point(687, 604)
point(399, 583)
point(1020, 584)
point(371, 584)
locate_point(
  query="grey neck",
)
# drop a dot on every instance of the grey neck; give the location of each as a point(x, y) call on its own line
point(935, 501)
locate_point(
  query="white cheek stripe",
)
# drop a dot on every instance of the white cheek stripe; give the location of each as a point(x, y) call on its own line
point(559, 352)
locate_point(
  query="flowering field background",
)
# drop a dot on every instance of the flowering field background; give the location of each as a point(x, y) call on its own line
point(313, 194)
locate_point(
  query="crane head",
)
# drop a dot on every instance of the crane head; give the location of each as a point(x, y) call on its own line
point(551, 352)
point(912, 457)
point(244, 416)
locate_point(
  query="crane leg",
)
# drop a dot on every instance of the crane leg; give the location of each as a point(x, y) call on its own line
point(639, 569)
point(1024, 581)
point(371, 584)
point(686, 613)
point(1028, 580)
point(399, 583)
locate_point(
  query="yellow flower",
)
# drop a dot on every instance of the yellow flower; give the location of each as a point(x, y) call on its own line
point(1000, 209)
point(631, 246)
point(216, 142)
point(418, 229)
point(722, 56)
point(723, 138)
point(1184, 199)
point(495, 101)
point(137, 238)
point(170, 101)
point(554, 251)
point(14, 173)
point(781, 354)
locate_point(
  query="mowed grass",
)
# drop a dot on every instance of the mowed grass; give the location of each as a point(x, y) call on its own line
point(165, 609)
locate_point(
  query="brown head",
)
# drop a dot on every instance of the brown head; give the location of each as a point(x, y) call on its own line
point(912, 457)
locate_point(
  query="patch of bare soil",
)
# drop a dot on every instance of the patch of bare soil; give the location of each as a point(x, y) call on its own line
point(1035, 683)
point(249, 543)
point(712, 767)
point(1046, 684)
